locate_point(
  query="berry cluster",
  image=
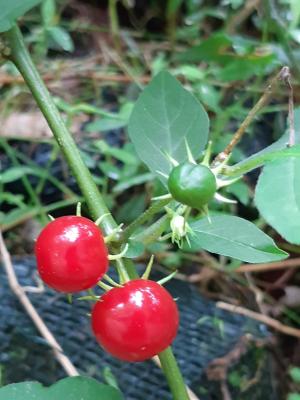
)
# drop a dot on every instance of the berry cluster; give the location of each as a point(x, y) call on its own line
point(133, 321)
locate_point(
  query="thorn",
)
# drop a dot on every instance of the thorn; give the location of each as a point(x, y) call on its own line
point(167, 278)
point(219, 167)
point(104, 286)
point(50, 217)
point(163, 197)
point(92, 298)
point(70, 298)
point(222, 183)
point(172, 160)
point(223, 199)
point(148, 268)
point(100, 219)
point(188, 241)
point(162, 174)
point(206, 212)
point(113, 257)
point(111, 281)
point(207, 154)
point(113, 234)
point(78, 209)
point(189, 152)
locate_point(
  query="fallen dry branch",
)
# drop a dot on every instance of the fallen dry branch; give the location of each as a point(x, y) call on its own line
point(291, 263)
point(31, 311)
point(6, 79)
point(273, 323)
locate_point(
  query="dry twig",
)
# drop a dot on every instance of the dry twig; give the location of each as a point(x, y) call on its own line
point(264, 99)
point(291, 263)
point(286, 78)
point(273, 323)
point(239, 17)
point(37, 320)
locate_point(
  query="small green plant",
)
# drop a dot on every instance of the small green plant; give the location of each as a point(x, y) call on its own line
point(294, 373)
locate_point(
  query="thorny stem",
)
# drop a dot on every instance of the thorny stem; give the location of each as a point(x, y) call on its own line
point(264, 99)
point(123, 274)
point(173, 375)
point(21, 58)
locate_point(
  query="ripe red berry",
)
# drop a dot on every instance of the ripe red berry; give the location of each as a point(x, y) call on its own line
point(137, 321)
point(71, 254)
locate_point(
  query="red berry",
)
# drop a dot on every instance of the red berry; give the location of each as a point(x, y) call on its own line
point(71, 254)
point(135, 322)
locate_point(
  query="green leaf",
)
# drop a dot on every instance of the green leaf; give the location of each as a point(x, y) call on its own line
point(110, 170)
point(60, 38)
point(135, 249)
point(297, 124)
point(111, 121)
point(164, 116)
point(109, 377)
point(126, 156)
point(17, 214)
point(209, 95)
point(244, 68)
point(105, 124)
point(295, 11)
point(280, 144)
point(293, 396)
point(12, 198)
point(240, 190)
point(12, 10)
point(295, 374)
point(277, 197)
point(212, 49)
point(191, 72)
point(132, 181)
point(15, 173)
point(131, 209)
point(48, 10)
point(234, 237)
point(74, 388)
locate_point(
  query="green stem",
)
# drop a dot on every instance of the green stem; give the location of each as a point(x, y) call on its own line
point(171, 16)
point(173, 375)
point(21, 58)
point(114, 24)
point(152, 210)
point(259, 160)
point(154, 231)
point(130, 268)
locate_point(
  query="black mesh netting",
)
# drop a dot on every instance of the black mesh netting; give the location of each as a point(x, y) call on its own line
point(205, 333)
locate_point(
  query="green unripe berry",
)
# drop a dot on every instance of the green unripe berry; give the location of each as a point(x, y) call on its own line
point(192, 185)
